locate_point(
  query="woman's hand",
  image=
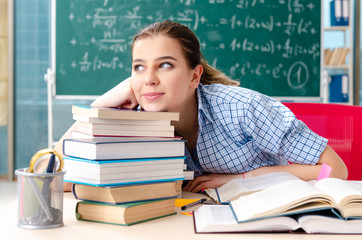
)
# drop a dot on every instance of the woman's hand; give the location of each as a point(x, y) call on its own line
point(212, 180)
point(120, 96)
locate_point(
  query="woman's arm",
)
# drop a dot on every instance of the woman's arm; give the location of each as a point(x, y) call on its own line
point(120, 96)
point(310, 172)
point(305, 172)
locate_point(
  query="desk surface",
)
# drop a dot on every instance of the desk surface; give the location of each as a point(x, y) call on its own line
point(173, 227)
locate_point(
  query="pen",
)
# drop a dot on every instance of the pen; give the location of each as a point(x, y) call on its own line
point(47, 180)
point(200, 201)
point(51, 164)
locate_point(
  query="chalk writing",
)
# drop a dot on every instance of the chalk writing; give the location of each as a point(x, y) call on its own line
point(254, 41)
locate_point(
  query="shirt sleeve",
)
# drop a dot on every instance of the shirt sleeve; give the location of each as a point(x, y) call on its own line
point(276, 131)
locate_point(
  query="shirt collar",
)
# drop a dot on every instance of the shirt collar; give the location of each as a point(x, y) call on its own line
point(203, 105)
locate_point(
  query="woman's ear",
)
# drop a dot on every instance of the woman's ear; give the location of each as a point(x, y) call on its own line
point(196, 76)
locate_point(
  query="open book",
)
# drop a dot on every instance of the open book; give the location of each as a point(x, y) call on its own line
point(344, 198)
point(244, 186)
point(220, 219)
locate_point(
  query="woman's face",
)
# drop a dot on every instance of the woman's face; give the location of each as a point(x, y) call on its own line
point(161, 77)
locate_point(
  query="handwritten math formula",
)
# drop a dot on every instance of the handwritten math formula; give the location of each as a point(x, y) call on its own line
point(258, 42)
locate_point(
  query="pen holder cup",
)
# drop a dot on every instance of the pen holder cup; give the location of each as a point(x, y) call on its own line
point(40, 199)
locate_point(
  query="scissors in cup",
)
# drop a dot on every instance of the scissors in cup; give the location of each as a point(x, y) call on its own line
point(41, 165)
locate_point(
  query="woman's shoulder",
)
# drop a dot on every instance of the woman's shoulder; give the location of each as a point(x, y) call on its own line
point(229, 94)
point(236, 100)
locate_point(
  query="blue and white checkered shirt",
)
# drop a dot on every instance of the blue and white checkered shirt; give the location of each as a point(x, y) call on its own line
point(241, 130)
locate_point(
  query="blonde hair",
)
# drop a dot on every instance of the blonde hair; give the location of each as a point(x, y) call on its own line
point(191, 48)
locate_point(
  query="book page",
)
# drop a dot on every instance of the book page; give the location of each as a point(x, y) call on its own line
point(219, 218)
point(277, 200)
point(326, 224)
point(243, 186)
point(339, 189)
point(216, 214)
point(211, 192)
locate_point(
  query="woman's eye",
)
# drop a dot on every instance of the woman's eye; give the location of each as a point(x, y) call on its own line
point(166, 65)
point(138, 68)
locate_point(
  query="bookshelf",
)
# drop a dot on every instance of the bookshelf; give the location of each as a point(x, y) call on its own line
point(339, 61)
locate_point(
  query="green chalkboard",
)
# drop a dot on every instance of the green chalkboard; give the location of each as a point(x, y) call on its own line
point(269, 46)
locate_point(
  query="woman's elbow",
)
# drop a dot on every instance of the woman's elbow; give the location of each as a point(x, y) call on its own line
point(331, 158)
point(342, 172)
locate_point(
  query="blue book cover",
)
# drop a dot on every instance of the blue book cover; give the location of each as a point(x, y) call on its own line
point(338, 88)
point(121, 160)
point(123, 150)
point(339, 12)
point(118, 184)
point(123, 171)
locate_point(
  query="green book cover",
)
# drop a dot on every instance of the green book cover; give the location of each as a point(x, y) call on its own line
point(123, 205)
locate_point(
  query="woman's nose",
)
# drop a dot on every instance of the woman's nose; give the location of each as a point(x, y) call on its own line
point(151, 78)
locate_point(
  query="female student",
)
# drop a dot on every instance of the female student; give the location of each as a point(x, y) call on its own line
point(231, 132)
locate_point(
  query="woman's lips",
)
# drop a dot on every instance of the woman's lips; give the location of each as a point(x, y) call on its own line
point(151, 96)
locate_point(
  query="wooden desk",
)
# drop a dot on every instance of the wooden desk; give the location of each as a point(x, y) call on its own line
point(173, 227)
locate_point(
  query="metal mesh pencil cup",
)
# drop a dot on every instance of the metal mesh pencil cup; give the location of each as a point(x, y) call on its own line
point(40, 199)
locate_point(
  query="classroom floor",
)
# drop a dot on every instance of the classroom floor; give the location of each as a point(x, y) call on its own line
point(8, 192)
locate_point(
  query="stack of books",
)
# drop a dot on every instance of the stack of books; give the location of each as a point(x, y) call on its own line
point(336, 56)
point(126, 165)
